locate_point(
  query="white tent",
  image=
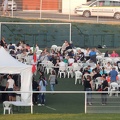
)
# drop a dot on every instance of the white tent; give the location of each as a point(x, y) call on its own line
point(10, 65)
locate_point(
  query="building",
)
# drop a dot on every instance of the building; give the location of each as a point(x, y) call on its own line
point(64, 6)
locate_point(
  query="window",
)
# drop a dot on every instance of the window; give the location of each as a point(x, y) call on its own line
point(107, 3)
point(116, 3)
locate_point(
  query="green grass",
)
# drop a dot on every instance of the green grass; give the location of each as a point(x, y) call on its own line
point(61, 117)
point(63, 103)
point(59, 103)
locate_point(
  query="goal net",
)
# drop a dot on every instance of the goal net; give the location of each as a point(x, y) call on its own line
point(44, 34)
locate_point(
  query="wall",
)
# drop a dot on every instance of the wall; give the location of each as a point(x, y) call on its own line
point(35, 4)
point(68, 6)
point(64, 6)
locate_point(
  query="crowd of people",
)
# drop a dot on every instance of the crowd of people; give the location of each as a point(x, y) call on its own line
point(67, 55)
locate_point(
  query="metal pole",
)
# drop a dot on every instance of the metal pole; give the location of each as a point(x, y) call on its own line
point(85, 102)
point(97, 11)
point(31, 103)
point(69, 8)
point(70, 32)
point(12, 8)
point(0, 30)
point(40, 9)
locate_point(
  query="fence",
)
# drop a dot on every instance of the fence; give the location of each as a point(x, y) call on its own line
point(70, 102)
point(43, 34)
point(54, 9)
point(48, 34)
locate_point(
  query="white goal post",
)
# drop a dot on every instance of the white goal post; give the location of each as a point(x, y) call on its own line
point(30, 23)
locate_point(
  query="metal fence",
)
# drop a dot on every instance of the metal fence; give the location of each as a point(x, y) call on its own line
point(68, 102)
point(47, 34)
point(55, 10)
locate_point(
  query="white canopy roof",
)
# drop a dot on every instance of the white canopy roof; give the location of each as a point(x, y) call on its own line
point(10, 65)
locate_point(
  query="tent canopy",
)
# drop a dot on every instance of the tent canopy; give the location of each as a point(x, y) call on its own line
point(10, 65)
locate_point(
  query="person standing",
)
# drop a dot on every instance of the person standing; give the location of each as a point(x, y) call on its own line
point(88, 87)
point(42, 87)
point(35, 88)
point(114, 54)
point(104, 87)
point(52, 78)
point(2, 42)
point(86, 53)
point(113, 75)
point(9, 87)
point(92, 55)
point(80, 55)
point(106, 54)
point(63, 47)
point(3, 83)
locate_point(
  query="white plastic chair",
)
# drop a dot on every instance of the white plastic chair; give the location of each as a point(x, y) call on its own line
point(69, 71)
point(92, 65)
point(114, 88)
point(28, 59)
point(115, 60)
point(98, 82)
point(19, 57)
point(75, 67)
point(31, 48)
point(62, 70)
point(58, 48)
point(54, 47)
point(49, 66)
point(7, 107)
point(78, 76)
point(38, 52)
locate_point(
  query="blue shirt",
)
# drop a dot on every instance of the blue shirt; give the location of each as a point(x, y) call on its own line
point(42, 87)
point(113, 75)
point(92, 53)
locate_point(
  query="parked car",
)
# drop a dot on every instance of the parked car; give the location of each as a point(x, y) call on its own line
point(10, 2)
point(107, 8)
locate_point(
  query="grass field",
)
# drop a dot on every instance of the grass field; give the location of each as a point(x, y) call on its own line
point(67, 103)
point(59, 106)
point(59, 103)
point(61, 117)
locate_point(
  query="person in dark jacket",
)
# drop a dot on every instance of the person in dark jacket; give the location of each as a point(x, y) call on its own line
point(35, 88)
point(92, 55)
point(106, 54)
point(104, 87)
point(2, 42)
point(88, 87)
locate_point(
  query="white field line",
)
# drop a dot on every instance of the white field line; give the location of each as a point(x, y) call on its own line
point(50, 108)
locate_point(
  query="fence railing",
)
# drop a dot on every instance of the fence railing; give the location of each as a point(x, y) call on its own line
point(71, 101)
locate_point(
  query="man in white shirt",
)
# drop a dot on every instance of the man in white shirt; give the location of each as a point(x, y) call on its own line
point(62, 64)
point(9, 87)
point(62, 67)
point(70, 61)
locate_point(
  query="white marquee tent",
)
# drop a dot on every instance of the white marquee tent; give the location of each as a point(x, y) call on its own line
point(9, 65)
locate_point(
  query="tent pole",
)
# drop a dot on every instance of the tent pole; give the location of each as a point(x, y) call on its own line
point(31, 103)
